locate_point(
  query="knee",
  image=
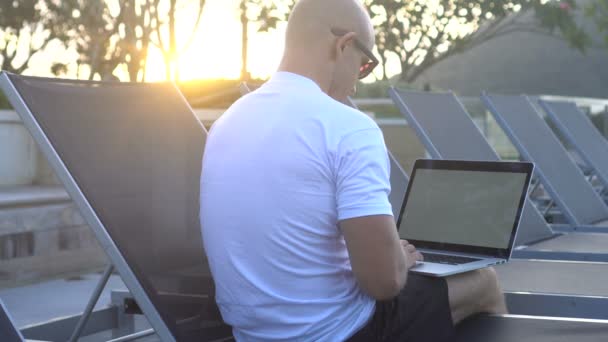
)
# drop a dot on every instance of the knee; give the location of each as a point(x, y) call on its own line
point(494, 298)
point(489, 279)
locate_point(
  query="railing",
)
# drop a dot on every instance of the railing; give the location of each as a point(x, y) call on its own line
point(596, 108)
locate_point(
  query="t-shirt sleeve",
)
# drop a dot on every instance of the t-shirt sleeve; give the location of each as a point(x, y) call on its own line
point(362, 175)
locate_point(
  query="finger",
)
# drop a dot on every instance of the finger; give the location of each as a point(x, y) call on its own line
point(419, 256)
point(410, 248)
point(405, 243)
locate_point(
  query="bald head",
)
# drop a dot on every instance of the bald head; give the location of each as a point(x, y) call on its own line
point(329, 42)
point(310, 22)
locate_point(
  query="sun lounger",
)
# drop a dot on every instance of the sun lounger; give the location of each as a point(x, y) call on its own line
point(561, 178)
point(129, 156)
point(581, 134)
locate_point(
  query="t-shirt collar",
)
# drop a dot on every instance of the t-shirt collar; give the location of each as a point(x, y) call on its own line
point(285, 77)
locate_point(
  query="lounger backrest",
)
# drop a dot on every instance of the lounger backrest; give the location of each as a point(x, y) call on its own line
point(535, 142)
point(581, 133)
point(443, 125)
point(134, 152)
point(399, 181)
point(445, 128)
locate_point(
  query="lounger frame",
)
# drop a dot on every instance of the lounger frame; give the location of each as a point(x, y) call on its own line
point(87, 212)
point(572, 217)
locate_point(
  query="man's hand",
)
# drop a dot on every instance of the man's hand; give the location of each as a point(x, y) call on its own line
point(412, 255)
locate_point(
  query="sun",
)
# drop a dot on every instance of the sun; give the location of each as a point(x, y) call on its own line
point(215, 50)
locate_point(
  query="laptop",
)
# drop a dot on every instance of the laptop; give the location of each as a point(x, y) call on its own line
point(8, 331)
point(463, 215)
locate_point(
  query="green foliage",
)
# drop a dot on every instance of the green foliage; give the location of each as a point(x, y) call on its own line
point(421, 33)
point(269, 13)
point(598, 12)
point(13, 14)
point(4, 102)
point(27, 27)
point(105, 33)
point(107, 36)
point(558, 17)
point(90, 25)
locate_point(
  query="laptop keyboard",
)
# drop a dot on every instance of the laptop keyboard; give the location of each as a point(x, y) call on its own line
point(447, 259)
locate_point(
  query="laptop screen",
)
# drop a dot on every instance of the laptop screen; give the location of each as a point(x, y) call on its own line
point(464, 206)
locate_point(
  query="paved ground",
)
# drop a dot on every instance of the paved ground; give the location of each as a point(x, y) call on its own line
point(57, 298)
point(66, 297)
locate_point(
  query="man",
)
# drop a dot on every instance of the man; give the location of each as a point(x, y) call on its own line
point(295, 215)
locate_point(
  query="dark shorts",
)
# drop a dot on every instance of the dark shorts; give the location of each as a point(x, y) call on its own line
point(420, 313)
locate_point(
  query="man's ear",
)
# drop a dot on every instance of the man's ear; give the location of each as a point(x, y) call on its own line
point(343, 42)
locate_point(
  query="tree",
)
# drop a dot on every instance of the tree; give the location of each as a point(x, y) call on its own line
point(266, 14)
point(244, 40)
point(598, 12)
point(92, 26)
point(422, 33)
point(166, 31)
point(108, 34)
point(26, 28)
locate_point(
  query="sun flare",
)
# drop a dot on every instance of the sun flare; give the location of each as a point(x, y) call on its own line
point(215, 51)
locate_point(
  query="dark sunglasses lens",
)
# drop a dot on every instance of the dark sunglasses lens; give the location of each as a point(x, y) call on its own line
point(365, 69)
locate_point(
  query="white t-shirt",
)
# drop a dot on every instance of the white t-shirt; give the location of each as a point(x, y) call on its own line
point(281, 168)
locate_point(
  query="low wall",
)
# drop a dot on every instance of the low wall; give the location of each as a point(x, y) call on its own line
point(21, 162)
point(18, 164)
point(45, 241)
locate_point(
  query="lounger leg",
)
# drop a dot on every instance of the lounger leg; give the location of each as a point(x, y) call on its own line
point(134, 336)
point(533, 188)
point(91, 304)
point(549, 206)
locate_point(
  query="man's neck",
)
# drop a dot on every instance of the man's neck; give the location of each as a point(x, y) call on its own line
point(306, 69)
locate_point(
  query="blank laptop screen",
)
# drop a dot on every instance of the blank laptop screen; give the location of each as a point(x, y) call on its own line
point(475, 208)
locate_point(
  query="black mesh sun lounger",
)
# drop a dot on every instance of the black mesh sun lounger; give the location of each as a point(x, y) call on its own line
point(129, 155)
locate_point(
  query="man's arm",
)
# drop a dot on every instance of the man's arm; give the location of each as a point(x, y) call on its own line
point(380, 261)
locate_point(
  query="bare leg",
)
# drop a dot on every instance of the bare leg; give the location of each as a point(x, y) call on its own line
point(475, 292)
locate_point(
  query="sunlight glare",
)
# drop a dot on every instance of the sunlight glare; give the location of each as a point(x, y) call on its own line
point(215, 51)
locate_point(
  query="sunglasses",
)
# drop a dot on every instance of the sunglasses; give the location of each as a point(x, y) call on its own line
point(366, 68)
